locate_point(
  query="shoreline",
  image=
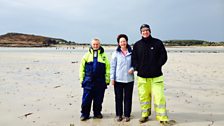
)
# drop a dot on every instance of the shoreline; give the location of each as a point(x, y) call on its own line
point(172, 49)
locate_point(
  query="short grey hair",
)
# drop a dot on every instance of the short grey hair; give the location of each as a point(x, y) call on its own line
point(95, 39)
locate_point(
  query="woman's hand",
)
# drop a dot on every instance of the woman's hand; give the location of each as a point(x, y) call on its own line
point(112, 82)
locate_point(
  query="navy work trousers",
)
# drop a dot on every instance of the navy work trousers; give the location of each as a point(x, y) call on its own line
point(96, 94)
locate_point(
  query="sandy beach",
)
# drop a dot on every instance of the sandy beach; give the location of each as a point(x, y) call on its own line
point(40, 87)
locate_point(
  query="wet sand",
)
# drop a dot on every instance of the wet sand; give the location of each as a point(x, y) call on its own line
point(40, 87)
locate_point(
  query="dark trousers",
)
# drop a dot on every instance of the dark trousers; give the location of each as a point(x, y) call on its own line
point(96, 95)
point(123, 94)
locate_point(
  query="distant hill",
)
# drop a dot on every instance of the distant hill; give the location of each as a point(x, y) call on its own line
point(191, 43)
point(27, 40)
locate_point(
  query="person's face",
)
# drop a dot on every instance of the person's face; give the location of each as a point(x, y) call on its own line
point(95, 45)
point(122, 43)
point(145, 32)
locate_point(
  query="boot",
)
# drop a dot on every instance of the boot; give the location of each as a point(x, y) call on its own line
point(168, 123)
point(143, 119)
point(100, 116)
point(127, 119)
point(119, 118)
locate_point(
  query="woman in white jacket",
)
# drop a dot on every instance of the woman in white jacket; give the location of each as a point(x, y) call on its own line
point(122, 77)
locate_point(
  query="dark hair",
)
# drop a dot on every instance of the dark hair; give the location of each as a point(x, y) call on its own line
point(145, 26)
point(126, 38)
point(122, 36)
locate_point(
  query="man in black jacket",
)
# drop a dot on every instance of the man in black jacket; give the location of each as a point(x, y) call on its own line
point(148, 57)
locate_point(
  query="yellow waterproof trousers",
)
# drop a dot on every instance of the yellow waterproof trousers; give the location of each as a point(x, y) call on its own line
point(148, 87)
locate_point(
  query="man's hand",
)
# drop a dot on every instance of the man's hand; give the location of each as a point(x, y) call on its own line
point(131, 71)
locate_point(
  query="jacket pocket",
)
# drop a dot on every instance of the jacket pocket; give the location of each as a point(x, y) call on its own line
point(87, 82)
point(158, 80)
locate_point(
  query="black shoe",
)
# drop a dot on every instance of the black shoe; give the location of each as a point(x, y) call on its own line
point(164, 123)
point(82, 118)
point(119, 118)
point(143, 119)
point(127, 119)
point(100, 116)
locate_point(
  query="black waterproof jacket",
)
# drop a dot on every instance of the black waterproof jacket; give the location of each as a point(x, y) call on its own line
point(148, 57)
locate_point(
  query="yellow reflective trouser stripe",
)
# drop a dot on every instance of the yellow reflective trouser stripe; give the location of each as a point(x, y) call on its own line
point(146, 111)
point(145, 103)
point(160, 106)
point(154, 86)
point(161, 114)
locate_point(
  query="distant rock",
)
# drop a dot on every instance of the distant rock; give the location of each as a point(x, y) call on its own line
point(27, 40)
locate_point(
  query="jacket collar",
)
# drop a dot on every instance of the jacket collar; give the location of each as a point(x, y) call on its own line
point(148, 39)
point(129, 49)
point(101, 50)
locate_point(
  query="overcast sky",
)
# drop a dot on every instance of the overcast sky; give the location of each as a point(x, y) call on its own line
point(82, 20)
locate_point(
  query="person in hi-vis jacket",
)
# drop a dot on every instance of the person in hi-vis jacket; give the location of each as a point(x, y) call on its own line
point(94, 77)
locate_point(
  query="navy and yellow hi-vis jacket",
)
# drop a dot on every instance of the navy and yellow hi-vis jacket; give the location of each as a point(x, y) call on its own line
point(101, 76)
